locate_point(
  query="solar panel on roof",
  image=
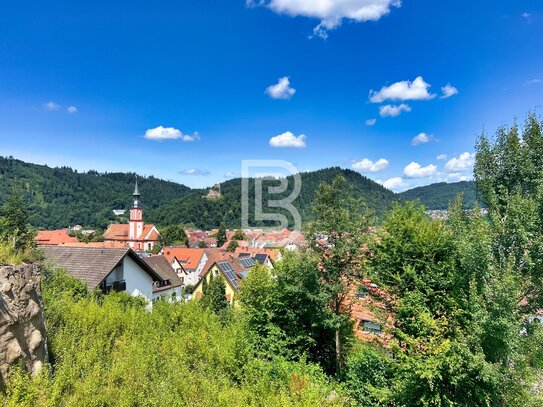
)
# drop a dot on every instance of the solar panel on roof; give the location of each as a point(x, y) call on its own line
point(232, 278)
point(261, 258)
point(247, 262)
point(225, 266)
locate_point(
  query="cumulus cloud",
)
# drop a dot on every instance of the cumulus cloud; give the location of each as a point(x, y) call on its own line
point(161, 133)
point(403, 90)
point(331, 13)
point(194, 171)
point(51, 106)
point(415, 170)
point(441, 157)
point(422, 138)
point(394, 184)
point(367, 165)
point(288, 139)
point(71, 109)
point(448, 90)
point(371, 122)
point(393, 110)
point(281, 90)
point(460, 164)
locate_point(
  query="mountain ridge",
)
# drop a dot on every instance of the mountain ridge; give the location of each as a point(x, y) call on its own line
point(61, 196)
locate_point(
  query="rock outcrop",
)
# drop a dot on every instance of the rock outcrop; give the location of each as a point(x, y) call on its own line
point(22, 328)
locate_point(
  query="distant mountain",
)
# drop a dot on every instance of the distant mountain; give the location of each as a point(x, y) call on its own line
point(61, 197)
point(438, 196)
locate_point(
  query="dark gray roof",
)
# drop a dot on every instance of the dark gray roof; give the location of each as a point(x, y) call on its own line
point(92, 264)
point(163, 268)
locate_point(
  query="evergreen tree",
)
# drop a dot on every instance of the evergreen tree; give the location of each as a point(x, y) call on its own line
point(14, 225)
point(221, 235)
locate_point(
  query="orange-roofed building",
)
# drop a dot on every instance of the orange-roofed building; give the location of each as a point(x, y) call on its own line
point(114, 245)
point(136, 233)
point(370, 310)
point(54, 237)
point(187, 262)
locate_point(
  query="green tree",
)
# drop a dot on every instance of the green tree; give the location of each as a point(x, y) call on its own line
point(174, 234)
point(221, 236)
point(214, 297)
point(14, 226)
point(239, 235)
point(232, 246)
point(337, 236)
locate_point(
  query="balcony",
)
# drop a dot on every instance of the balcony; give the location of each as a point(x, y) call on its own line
point(116, 286)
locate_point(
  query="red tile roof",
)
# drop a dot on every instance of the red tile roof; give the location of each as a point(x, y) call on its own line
point(374, 307)
point(119, 231)
point(116, 231)
point(98, 244)
point(188, 257)
point(54, 237)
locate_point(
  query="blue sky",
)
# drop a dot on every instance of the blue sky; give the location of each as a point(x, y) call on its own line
point(83, 83)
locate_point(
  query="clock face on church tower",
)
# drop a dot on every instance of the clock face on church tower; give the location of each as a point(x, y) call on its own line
point(136, 214)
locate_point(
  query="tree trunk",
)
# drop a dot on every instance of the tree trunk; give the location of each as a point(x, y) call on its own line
point(338, 352)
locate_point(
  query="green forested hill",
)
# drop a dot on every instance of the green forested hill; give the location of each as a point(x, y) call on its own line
point(204, 213)
point(61, 197)
point(438, 196)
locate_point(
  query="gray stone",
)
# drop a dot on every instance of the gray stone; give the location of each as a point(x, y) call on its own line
point(22, 329)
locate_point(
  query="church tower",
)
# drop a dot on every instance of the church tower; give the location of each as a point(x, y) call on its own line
point(135, 224)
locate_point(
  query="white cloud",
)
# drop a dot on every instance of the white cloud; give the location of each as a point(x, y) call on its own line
point(526, 15)
point(331, 13)
point(393, 110)
point(456, 177)
point(288, 139)
point(535, 81)
point(194, 171)
point(403, 90)
point(394, 184)
point(371, 122)
point(51, 106)
point(161, 133)
point(460, 164)
point(441, 157)
point(71, 109)
point(281, 90)
point(415, 170)
point(367, 165)
point(422, 138)
point(448, 91)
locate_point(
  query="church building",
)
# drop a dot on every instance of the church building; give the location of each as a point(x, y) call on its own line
point(136, 234)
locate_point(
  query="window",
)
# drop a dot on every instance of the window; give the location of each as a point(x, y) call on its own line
point(369, 326)
point(362, 292)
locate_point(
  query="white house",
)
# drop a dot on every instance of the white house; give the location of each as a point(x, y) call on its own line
point(115, 269)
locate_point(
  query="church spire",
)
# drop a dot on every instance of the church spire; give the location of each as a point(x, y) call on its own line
point(136, 196)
